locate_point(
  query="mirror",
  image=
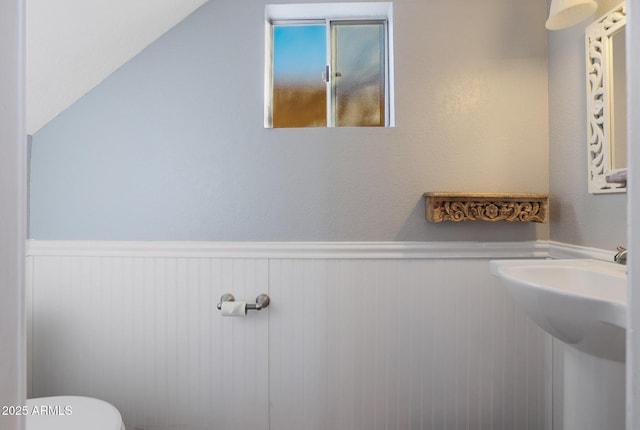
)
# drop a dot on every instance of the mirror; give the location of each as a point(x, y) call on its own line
point(607, 102)
point(618, 138)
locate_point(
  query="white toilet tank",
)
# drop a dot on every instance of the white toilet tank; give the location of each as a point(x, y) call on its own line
point(72, 413)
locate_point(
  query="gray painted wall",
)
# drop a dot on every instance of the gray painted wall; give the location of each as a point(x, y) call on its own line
point(13, 344)
point(577, 217)
point(172, 145)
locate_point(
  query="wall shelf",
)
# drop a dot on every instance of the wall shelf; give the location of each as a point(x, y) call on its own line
point(520, 207)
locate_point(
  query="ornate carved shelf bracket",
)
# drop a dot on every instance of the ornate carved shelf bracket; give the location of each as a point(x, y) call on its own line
point(523, 207)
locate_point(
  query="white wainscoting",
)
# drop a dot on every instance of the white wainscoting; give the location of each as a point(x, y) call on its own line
point(358, 336)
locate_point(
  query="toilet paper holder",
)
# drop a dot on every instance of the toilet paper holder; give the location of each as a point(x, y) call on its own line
point(262, 301)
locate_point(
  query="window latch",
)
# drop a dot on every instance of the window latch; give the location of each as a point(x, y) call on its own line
point(326, 75)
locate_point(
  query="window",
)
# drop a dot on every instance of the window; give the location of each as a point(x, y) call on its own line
point(329, 65)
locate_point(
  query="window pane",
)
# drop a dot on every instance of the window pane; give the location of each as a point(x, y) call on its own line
point(359, 73)
point(299, 93)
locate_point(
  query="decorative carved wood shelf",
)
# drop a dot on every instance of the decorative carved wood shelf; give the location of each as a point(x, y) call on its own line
point(523, 207)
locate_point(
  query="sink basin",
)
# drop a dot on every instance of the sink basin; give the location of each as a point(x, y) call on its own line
point(581, 302)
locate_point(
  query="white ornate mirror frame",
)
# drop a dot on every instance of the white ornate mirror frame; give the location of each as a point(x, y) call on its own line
point(599, 98)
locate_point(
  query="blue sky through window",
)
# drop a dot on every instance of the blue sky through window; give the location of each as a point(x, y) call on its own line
point(299, 53)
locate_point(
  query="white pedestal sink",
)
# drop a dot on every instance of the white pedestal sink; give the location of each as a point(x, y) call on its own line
point(580, 302)
point(583, 304)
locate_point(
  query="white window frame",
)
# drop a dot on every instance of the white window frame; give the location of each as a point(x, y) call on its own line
point(328, 12)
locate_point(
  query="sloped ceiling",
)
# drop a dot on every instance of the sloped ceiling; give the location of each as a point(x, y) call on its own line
point(72, 45)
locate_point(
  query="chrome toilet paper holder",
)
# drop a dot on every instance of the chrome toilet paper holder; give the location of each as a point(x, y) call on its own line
point(262, 301)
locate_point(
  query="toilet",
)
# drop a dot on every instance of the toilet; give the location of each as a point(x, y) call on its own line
point(72, 413)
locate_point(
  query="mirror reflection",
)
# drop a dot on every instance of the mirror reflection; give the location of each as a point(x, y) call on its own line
point(618, 112)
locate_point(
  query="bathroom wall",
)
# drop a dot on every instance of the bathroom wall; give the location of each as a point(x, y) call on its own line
point(12, 212)
point(380, 336)
point(577, 217)
point(172, 145)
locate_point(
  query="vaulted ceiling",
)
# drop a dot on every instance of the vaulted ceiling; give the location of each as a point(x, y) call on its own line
point(72, 45)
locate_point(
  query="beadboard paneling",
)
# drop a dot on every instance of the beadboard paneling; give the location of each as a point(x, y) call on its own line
point(411, 344)
point(145, 335)
point(347, 343)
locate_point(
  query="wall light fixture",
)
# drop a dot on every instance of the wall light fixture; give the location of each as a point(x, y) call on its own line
point(565, 13)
